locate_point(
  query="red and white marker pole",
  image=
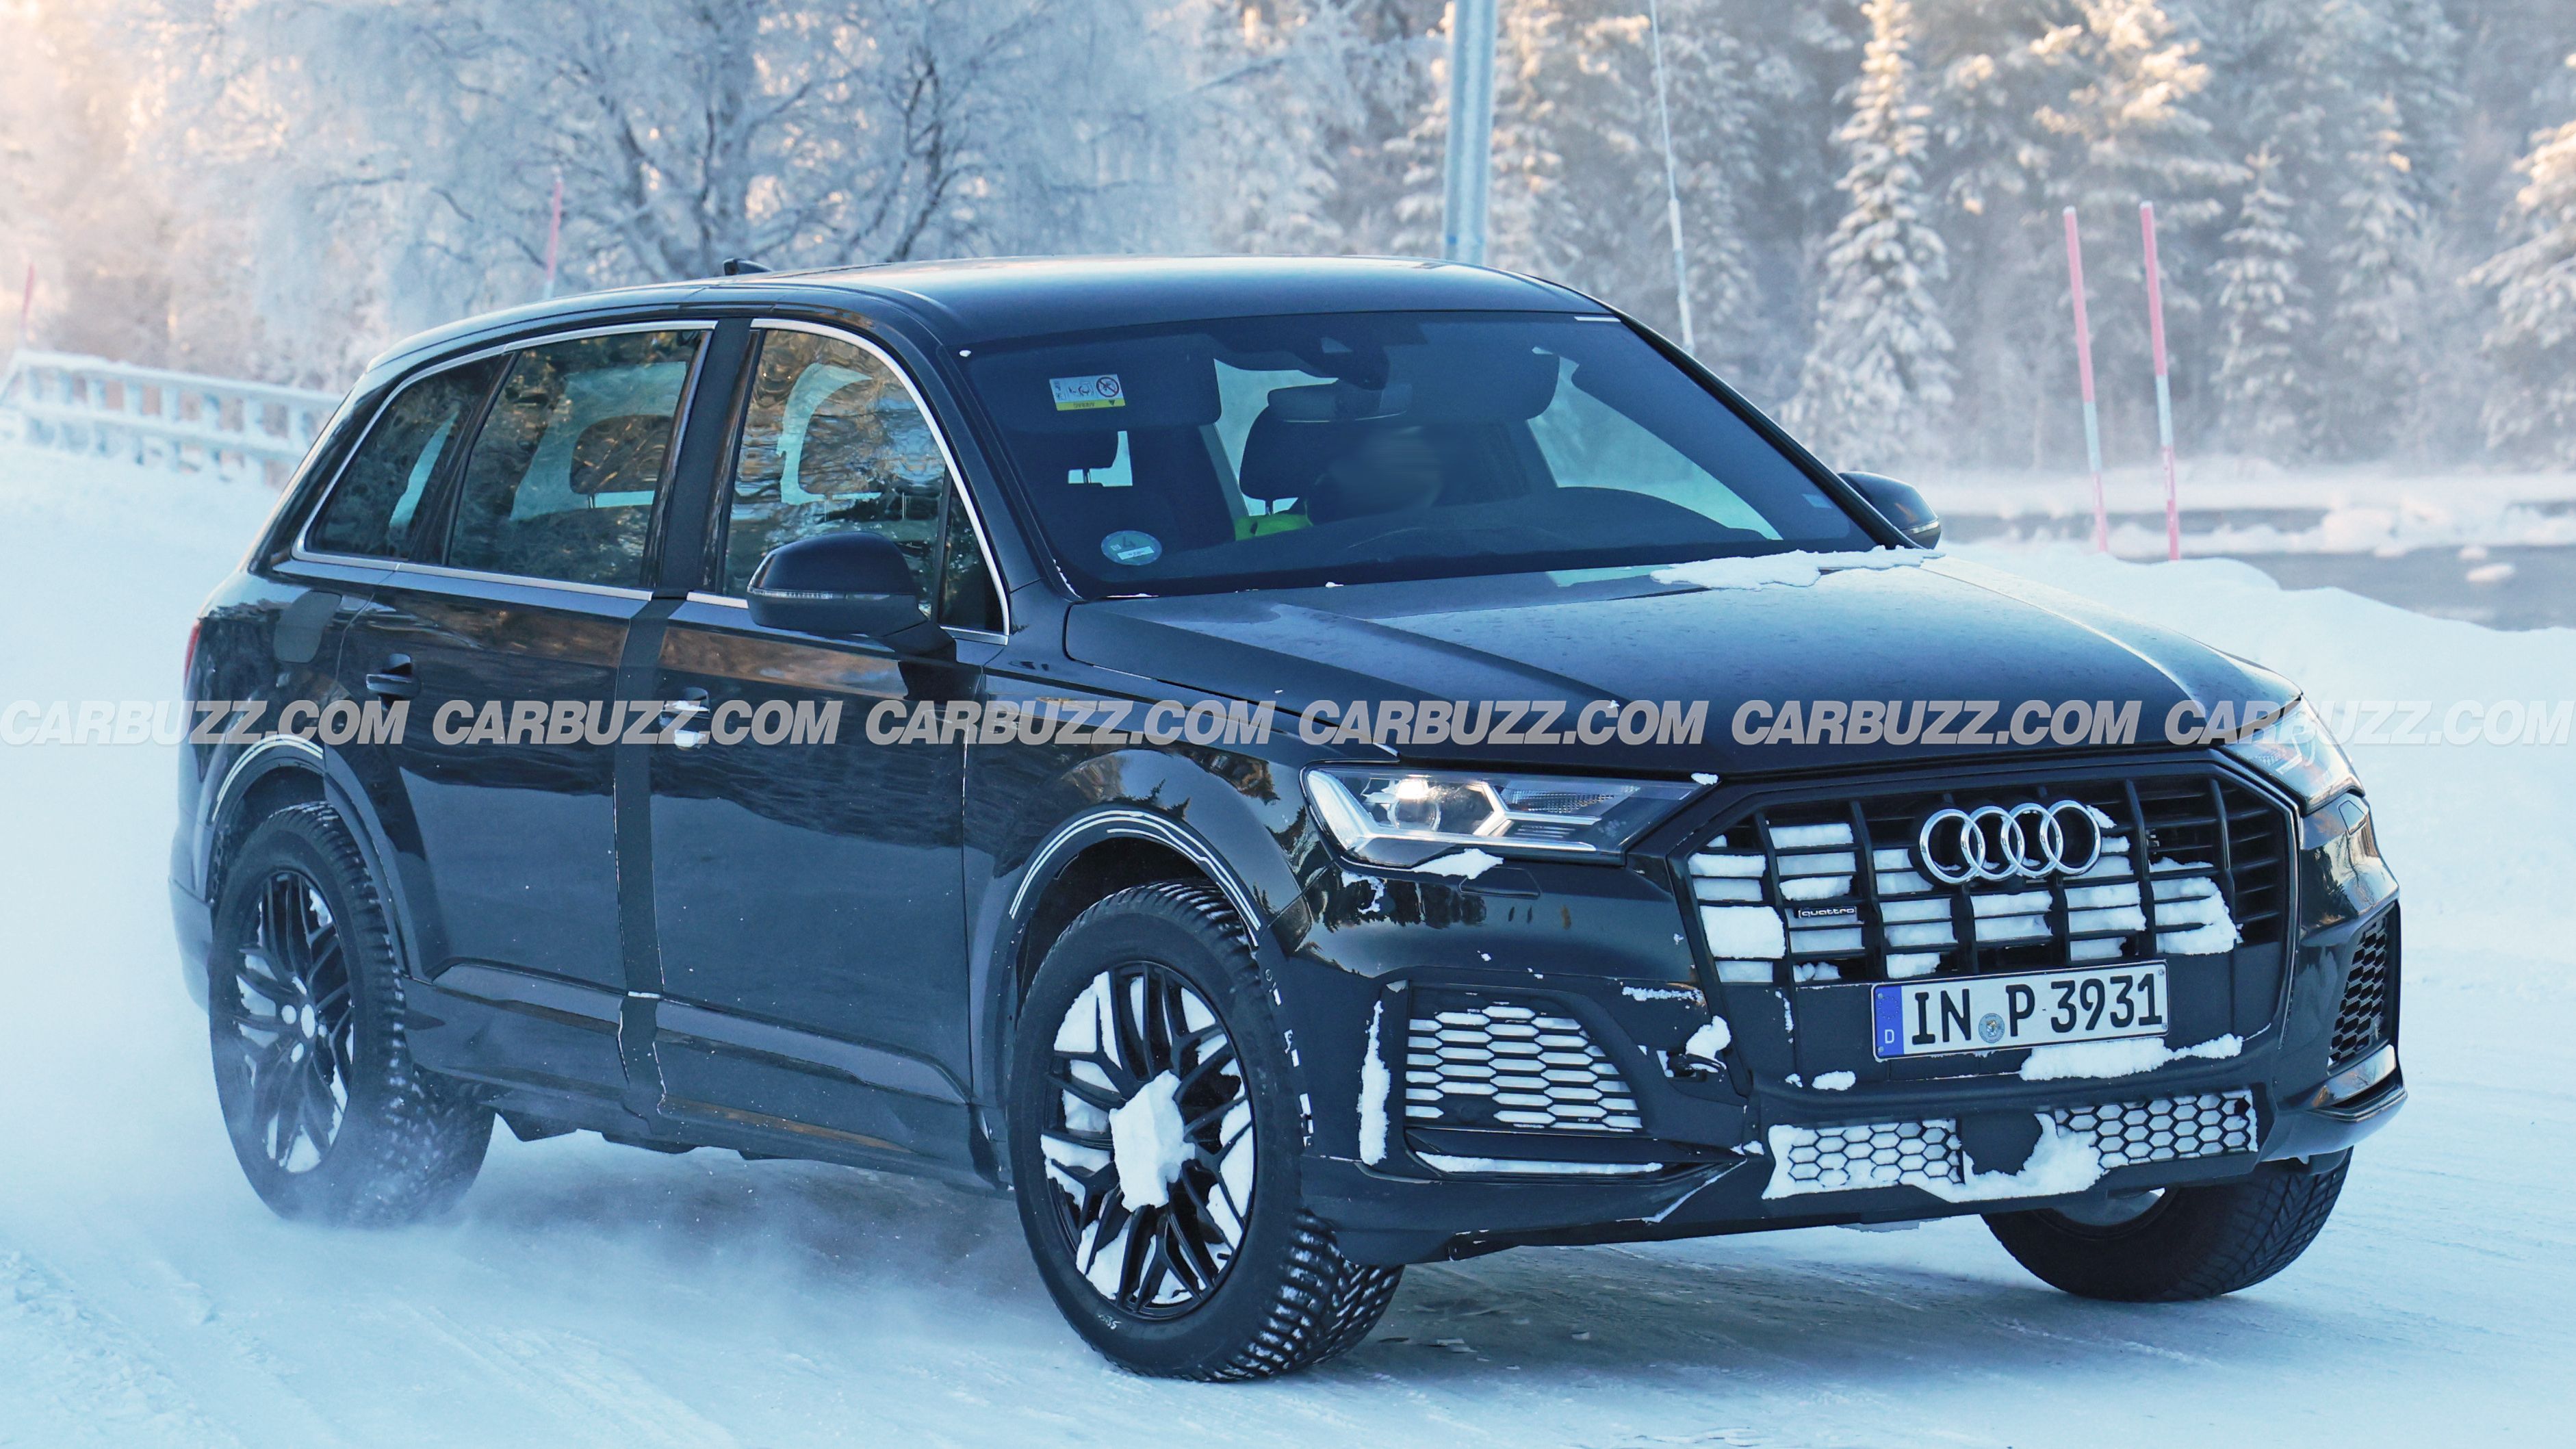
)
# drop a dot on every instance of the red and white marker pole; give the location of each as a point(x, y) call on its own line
point(554, 235)
point(2084, 371)
point(2164, 389)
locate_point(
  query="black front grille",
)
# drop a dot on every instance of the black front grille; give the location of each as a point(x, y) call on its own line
point(2184, 857)
point(2367, 1020)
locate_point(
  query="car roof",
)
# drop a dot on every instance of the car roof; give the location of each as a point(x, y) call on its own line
point(1029, 296)
point(979, 300)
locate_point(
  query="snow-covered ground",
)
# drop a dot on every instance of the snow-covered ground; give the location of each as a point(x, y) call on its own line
point(2246, 506)
point(590, 1294)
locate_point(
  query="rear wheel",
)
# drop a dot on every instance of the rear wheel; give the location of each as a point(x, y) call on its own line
point(1154, 1142)
point(329, 1117)
point(2178, 1244)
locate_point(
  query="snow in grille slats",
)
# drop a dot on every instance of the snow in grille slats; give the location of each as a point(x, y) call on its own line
point(1748, 899)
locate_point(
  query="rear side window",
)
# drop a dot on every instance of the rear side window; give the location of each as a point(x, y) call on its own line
point(370, 512)
point(562, 478)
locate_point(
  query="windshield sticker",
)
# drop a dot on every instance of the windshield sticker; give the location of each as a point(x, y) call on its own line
point(1073, 394)
point(1127, 546)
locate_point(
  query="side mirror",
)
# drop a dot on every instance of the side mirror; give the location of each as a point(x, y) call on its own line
point(853, 584)
point(1901, 504)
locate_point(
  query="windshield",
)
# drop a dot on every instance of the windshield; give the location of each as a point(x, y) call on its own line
point(1285, 451)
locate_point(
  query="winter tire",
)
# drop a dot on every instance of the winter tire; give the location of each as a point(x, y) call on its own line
point(1155, 1143)
point(330, 1118)
point(2190, 1242)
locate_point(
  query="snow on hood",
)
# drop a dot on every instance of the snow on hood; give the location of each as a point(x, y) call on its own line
point(1796, 569)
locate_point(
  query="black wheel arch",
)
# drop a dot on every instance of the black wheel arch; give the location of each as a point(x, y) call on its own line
point(276, 774)
point(1091, 855)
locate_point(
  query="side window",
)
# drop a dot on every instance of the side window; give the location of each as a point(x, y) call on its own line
point(371, 509)
point(834, 440)
point(562, 478)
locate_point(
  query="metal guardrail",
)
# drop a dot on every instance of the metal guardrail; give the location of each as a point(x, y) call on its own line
point(182, 421)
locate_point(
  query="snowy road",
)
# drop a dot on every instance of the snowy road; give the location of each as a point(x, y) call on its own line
point(594, 1295)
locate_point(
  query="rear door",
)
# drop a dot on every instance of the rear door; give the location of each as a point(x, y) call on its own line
point(507, 632)
point(806, 867)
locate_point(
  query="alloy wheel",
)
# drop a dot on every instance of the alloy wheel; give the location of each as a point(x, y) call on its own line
point(289, 1023)
point(1149, 1140)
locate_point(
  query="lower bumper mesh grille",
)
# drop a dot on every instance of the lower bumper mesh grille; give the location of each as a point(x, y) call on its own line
point(1929, 1155)
point(2366, 1020)
point(1496, 1064)
point(2167, 1129)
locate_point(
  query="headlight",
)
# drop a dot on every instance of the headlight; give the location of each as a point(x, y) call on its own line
point(2296, 751)
point(1399, 817)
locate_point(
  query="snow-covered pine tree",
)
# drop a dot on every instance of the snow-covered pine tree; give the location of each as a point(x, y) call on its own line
point(2377, 265)
point(1578, 161)
point(1715, 111)
point(2532, 413)
point(1292, 97)
point(1877, 376)
point(2040, 105)
point(2263, 386)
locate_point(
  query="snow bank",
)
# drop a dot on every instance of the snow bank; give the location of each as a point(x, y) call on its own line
point(2441, 809)
point(2360, 510)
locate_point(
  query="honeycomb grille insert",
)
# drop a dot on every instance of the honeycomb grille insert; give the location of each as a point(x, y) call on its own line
point(1928, 1154)
point(1499, 1065)
point(1878, 1154)
point(2167, 1129)
point(2365, 1021)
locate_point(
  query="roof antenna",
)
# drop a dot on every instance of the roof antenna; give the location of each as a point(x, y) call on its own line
point(741, 266)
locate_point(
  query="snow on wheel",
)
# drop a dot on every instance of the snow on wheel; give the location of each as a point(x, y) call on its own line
point(1151, 1147)
point(1154, 1151)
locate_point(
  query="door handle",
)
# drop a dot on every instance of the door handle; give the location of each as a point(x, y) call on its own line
point(676, 716)
point(394, 681)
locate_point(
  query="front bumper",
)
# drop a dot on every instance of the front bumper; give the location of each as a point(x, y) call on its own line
point(1794, 1123)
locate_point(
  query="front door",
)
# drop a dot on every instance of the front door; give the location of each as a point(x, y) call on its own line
point(507, 636)
point(807, 877)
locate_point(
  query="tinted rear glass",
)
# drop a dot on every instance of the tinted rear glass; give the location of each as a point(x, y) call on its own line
point(1281, 451)
point(371, 510)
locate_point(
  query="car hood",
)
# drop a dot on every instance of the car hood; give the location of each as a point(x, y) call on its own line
point(1887, 625)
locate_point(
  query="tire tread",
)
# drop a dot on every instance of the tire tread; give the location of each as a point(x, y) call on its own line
point(1325, 1304)
point(422, 1143)
point(2205, 1242)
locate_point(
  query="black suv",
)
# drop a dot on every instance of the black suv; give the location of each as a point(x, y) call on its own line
point(1291, 768)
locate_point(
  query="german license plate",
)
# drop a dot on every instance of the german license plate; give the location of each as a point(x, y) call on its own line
point(1999, 1013)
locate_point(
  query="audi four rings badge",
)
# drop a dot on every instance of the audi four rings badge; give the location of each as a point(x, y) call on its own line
point(1996, 842)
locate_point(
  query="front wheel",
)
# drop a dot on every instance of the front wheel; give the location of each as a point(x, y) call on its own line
point(329, 1116)
point(2179, 1244)
point(1155, 1143)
